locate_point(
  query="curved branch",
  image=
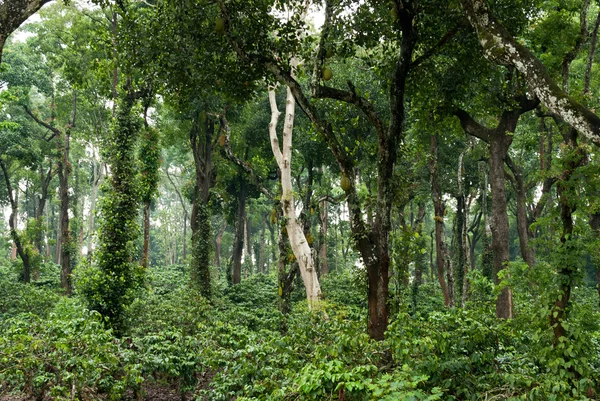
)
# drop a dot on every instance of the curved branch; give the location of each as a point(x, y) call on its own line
point(499, 46)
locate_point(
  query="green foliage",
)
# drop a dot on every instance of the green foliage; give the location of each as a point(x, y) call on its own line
point(68, 355)
point(201, 247)
point(109, 281)
point(21, 298)
point(150, 159)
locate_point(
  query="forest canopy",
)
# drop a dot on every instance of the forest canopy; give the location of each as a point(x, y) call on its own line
point(298, 200)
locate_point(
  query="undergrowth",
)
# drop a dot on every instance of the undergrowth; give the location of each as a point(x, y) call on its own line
point(51, 346)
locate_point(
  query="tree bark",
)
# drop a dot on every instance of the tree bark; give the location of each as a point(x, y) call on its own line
point(218, 243)
point(238, 244)
point(185, 215)
point(295, 233)
point(522, 221)
point(146, 248)
point(499, 46)
point(324, 266)
point(201, 139)
point(14, 13)
point(594, 222)
point(12, 221)
point(499, 140)
point(261, 251)
point(439, 211)
point(568, 198)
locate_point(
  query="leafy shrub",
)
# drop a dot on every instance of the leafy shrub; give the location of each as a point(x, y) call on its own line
point(65, 356)
point(19, 298)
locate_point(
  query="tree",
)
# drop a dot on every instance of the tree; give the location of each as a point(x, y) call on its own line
point(14, 14)
point(500, 46)
point(499, 140)
point(149, 156)
point(110, 286)
point(295, 233)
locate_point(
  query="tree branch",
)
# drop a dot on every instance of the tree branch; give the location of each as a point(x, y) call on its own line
point(54, 130)
point(445, 39)
point(499, 46)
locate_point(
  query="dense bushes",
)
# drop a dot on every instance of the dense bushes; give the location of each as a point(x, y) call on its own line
point(235, 347)
point(68, 355)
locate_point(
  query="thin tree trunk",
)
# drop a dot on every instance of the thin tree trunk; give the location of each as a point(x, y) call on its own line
point(594, 222)
point(261, 252)
point(146, 249)
point(66, 244)
point(522, 221)
point(238, 244)
point(218, 243)
point(14, 206)
point(567, 194)
point(500, 236)
point(439, 211)
point(323, 238)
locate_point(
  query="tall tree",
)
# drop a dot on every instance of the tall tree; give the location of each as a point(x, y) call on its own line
point(295, 233)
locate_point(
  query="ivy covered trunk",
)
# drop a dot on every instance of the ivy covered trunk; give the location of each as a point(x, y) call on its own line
point(146, 247)
point(149, 158)
point(200, 141)
point(110, 291)
point(200, 268)
point(568, 196)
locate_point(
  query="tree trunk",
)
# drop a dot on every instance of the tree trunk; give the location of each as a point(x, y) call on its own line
point(324, 266)
point(261, 252)
point(594, 223)
point(12, 221)
point(439, 211)
point(285, 278)
point(200, 141)
point(568, 197)
point(66, 242)
point(238, 244)
point(248, 239)
point(218, 242)
point(39, 214)
point(97, 171)
point(522, 221)
point(500, 233)
point(146, 249)
point(499, 140)
point(295, 233)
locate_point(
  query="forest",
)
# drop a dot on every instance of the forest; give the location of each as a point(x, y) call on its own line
point(292, 200)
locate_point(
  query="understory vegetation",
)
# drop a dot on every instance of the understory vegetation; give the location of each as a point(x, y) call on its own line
point(240, 346)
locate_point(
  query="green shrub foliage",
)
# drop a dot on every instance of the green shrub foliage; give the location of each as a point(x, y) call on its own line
point(109, 281)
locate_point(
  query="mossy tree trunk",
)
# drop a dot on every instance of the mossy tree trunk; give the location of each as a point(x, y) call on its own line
point(202, 137)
